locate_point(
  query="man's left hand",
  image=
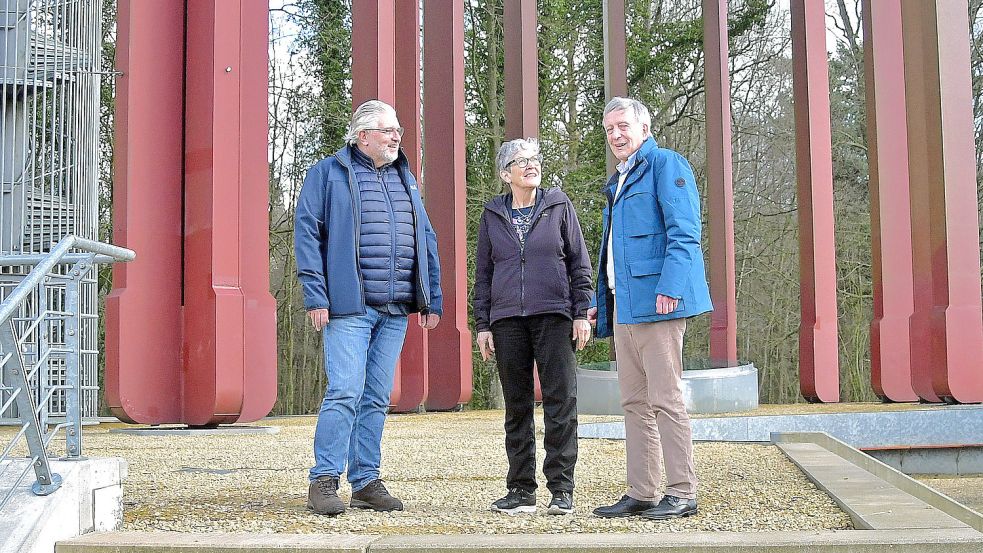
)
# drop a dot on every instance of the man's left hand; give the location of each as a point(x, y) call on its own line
point(429, 321)
point(665, 305)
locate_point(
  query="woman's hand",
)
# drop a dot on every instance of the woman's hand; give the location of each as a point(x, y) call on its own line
point(581, 333)
point(486, 344)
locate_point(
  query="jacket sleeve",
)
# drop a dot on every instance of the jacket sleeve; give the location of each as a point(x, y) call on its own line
point(433, 262)
point(483, 272)
point(309, 234)
point(578, 263)
point(680, 204)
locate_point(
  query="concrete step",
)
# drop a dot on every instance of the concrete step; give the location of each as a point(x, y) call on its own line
point(847, 541)
point(872, 503)
point(90, 499)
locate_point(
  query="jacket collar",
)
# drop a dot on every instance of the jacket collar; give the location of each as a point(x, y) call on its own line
point(641, 159)
point(546, 197)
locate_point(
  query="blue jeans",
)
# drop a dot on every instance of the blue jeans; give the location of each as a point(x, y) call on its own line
point(360, 354)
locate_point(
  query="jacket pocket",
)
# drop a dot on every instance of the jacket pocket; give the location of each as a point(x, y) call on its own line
point(643, 278)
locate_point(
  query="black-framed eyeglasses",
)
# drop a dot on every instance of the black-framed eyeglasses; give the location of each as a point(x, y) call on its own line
point(389, 130)
point(524, 162)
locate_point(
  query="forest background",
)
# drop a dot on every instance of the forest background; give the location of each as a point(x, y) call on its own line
point(310, 104)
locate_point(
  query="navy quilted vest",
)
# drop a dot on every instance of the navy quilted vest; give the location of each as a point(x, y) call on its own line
point(386, 249)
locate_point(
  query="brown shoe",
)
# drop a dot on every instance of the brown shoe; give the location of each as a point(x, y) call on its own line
point(375, 496)
point(322, 496)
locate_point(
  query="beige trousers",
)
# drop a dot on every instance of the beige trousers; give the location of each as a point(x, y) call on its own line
point(650, 365)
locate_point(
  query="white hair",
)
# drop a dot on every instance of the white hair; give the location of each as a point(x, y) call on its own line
point(366, 116)
point(630, 104)
point(508, 150)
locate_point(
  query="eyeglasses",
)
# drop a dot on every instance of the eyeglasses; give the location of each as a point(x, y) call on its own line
point(524, 162)
point(389, 130)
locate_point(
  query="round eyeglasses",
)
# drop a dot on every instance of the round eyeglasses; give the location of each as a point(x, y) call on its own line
point(524, 162)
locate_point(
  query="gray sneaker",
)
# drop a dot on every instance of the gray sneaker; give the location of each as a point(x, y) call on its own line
point(516, 501)
point(322, 496)
point(562, 504)
point(375, 496)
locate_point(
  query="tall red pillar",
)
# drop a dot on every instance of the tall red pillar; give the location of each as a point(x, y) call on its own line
point(720, 187)
point(413, 379)
point(947, 321)
point(521, 69)
point(818, 354)
point(143, 378)
point(615, 62)
point(890, 220)
point(193, 335)
point(444, 177)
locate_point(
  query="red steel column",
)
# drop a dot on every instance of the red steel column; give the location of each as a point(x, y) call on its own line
point(890, 220)
point(373, 51)
point(720, 187)
point(229, 315)
point(521, 70)
point(374, 78)
point(413, 381)
point(143, 311)
point(947, 322)
point(522, 84)
point(818, 355)
point(615, 62)
point(444, 175)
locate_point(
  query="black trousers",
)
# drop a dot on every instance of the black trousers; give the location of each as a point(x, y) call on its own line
point(545, 339)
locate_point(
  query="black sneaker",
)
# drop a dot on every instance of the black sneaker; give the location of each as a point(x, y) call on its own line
point(375, 496)
point(322, 496)
point(516, 501)
point(562, 504)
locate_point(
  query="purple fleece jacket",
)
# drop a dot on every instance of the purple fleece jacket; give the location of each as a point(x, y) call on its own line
point(551, 274)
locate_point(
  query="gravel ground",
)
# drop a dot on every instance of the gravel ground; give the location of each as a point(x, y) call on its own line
point(447, 468)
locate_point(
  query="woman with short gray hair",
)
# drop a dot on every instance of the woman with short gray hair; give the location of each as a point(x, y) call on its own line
point(531, 294)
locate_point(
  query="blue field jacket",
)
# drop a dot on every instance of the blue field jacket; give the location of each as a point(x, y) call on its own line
point(326, 240)
point(656, 241)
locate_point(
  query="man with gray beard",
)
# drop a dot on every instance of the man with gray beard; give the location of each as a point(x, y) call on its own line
point(366, 258)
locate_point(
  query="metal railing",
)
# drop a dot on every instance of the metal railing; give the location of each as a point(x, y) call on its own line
point(40, 355)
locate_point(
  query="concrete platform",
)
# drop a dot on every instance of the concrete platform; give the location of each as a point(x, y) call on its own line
point(931, 426)
point(90, 499)
point(873, 541)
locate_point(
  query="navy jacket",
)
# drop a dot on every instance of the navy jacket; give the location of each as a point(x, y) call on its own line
point(656, 241)
point(552, 274)
point(326, 240)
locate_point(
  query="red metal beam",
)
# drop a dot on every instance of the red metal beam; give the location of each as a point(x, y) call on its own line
point(226, 288)
point(373, 51)
point(818, 355)
point(890, 220)
point(143, 311)
point(720, 187)
point(615, 62)
point(521, 69)
point(444, 173)
point(374, 78)
point(412, 379)
point(947, 322)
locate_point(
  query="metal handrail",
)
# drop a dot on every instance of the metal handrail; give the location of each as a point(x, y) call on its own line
point(16, 373)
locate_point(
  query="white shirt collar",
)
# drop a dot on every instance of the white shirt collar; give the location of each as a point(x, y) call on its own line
point(627, 164)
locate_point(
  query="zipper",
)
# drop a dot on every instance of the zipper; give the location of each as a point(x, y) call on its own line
point(392, 234)
point(522, 251)
point(358, 233)
point(419, 273)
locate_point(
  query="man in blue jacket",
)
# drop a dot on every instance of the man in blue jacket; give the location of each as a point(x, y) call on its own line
point(366, 258)
point(651, 277)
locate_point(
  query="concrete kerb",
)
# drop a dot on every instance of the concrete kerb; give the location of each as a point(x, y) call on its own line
point(845, 541)
point(887, 473)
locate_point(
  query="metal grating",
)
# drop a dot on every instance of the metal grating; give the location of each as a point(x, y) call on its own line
point(49, 71)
